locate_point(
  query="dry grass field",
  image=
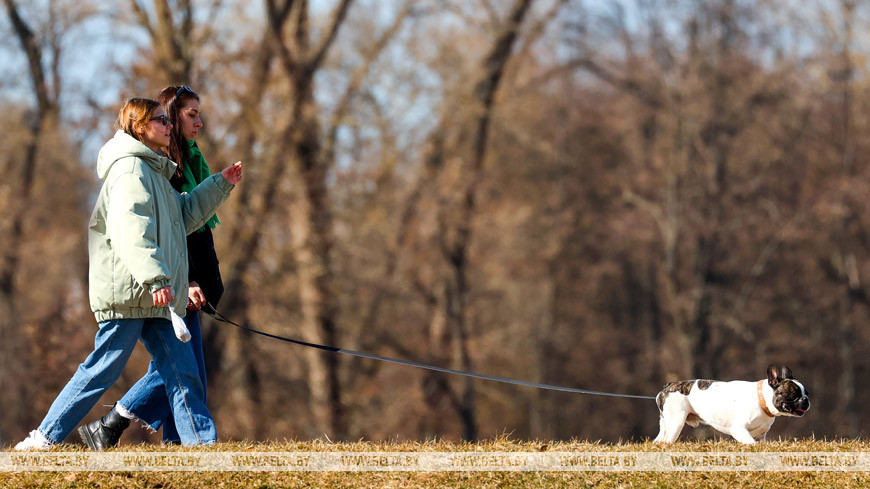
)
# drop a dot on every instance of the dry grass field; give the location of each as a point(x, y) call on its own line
point(487, 479)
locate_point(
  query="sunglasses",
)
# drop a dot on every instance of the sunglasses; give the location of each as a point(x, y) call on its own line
point(161, 119)
point(184, 89)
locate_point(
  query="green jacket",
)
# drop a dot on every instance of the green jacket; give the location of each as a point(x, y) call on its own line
point(137, 232)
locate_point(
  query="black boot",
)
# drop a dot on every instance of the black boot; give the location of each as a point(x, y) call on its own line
point(105, 432)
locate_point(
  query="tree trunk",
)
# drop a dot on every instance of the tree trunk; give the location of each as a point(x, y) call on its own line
point(456, 253)
point(44, 120)
point(311, 233)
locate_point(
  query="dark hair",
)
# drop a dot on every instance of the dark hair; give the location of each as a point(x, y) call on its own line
point(174, 98)
point(135, 114)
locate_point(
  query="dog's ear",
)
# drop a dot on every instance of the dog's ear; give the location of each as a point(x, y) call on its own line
point(786, 373)
point(772, 375)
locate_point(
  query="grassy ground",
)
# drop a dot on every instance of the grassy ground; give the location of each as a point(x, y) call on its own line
point(179, 480)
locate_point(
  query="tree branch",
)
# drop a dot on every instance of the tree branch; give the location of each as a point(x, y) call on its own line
point(337, 19)
point(144, 20)
point(357, 78)
point(34, 58)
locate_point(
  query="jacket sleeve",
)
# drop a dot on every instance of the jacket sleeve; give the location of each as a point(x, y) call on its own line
point(203, 201)
point(132, 228)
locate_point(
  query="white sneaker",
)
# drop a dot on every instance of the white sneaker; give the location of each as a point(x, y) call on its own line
point(34, 441)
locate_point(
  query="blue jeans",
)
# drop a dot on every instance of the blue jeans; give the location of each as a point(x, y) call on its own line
point(147, 399)
point(113, 346)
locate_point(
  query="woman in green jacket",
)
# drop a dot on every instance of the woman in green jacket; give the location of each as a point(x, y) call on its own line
point(137, 253)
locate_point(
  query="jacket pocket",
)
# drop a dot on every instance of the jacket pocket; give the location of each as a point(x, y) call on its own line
point(126, 293)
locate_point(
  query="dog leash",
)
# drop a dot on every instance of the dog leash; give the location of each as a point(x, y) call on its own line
point(217, 316)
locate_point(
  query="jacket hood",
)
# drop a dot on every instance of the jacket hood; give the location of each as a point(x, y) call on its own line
point(123, 145)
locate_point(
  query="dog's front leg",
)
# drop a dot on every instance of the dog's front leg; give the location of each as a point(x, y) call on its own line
point(741, 434)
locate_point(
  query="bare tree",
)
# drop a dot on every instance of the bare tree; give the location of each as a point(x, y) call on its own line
point(42, 120)
point(842, 74)
point(45, 117)
point(37, 156)
point(171, 33)
point(311, 217)
point(449, 327)
point(311, 157)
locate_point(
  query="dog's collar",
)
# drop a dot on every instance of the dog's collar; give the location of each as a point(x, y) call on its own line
point(761, 401)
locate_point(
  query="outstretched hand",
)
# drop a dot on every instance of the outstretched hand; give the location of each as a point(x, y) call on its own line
point(233, 174)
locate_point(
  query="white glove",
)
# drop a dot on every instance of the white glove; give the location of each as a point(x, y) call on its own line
point(181, 331)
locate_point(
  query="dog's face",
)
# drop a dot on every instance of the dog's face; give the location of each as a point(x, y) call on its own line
point(790, 397)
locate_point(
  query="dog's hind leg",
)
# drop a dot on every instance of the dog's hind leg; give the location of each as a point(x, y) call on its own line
point(741, 434)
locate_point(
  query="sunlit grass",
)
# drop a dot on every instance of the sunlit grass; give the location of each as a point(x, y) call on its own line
point(457, 479)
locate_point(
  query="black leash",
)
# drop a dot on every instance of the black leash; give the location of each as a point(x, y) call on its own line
point(220, 317)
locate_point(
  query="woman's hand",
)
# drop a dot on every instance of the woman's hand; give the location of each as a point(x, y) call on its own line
point(163, 296)
point(233, 174)
point(195, 297)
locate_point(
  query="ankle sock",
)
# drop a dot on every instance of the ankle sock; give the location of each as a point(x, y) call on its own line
point(123, 412)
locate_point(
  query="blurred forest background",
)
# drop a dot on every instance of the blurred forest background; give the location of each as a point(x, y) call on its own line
point(605, 194)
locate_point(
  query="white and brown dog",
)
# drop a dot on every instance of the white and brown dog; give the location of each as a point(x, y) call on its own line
point(744, 410)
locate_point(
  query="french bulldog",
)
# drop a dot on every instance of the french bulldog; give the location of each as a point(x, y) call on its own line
point(744, 410)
